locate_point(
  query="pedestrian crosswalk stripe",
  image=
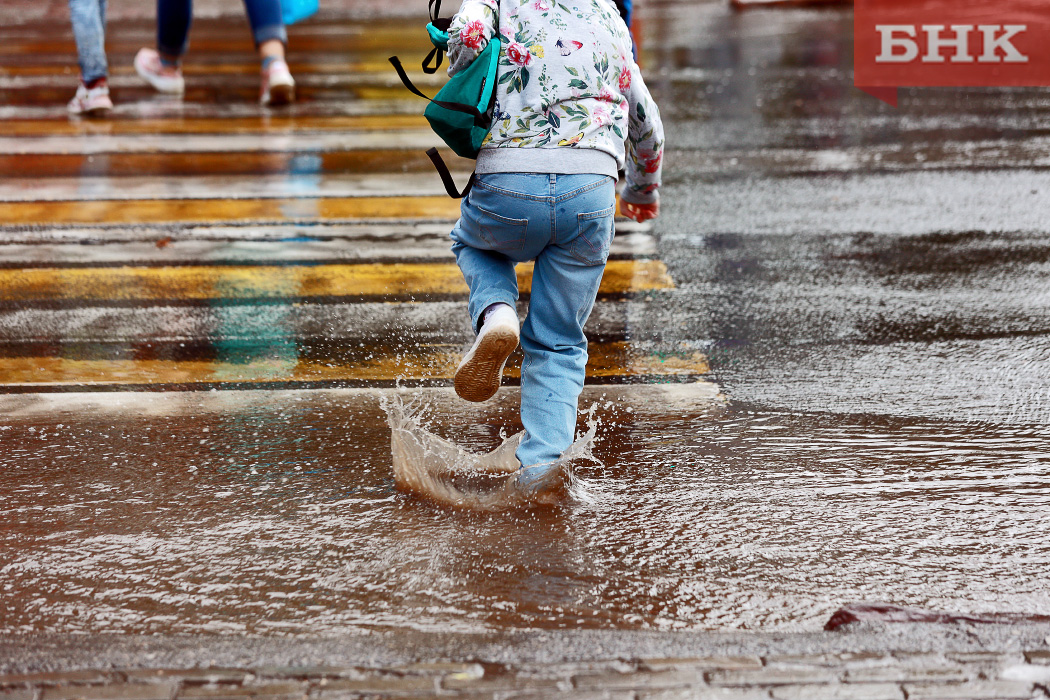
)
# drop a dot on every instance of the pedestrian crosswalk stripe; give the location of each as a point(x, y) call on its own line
point(189, 164)
point(364, 205)
point(227, 187)
point(230, 210)
point(211, 41)
point(428, 364)
point(179, 109)
point(432, 321)
point(375, 62)
point(235, 80)
point(308, 142)
point(262, 282)
point(232, 125)
point(347, 241)
point(242, 248)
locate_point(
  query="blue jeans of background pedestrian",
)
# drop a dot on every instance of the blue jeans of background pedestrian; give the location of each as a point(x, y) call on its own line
point(565, 224)
point(89, 29)
point(174, 16)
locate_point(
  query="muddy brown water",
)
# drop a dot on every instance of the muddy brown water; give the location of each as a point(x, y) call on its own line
point(851, 299)
point(276, 514)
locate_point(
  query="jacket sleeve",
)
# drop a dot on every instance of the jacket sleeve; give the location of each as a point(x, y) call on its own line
point(470, 32)
point(645, 144)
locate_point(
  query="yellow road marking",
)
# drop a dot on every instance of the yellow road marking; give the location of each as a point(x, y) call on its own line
point(381, 92)
point(239, 125)
point(214, 210)
point(436, 362)
point(155, 211)
point(282, 282)
point(622, 359)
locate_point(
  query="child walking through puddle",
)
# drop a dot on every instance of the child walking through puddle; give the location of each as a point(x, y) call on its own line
point(569, 96)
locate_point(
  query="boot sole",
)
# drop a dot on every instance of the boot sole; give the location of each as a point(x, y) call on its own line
point(480, 375)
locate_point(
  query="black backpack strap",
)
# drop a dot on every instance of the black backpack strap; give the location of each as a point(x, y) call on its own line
point(454, 106)
point(446, 176)
point(437, 54)
point(396, 62)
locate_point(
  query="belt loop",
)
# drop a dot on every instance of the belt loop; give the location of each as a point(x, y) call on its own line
point(553, 183)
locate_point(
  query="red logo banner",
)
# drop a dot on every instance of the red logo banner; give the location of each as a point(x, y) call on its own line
point(948, 43)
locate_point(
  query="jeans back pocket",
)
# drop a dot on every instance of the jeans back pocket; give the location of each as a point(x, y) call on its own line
point(501, 232)
point(591, 245)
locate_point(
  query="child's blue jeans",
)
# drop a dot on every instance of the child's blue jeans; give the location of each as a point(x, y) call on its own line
point(89, 29)
point(564, 223)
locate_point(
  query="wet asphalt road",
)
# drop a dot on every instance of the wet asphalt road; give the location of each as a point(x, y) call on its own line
point(843, 256)
point(867, 287)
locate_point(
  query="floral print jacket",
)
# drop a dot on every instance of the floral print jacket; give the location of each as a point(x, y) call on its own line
point(567, 80)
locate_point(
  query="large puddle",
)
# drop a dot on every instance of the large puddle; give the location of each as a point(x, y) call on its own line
point(831, 258)
point(276, 514)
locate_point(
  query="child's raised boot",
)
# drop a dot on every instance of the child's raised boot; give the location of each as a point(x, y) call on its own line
point(481, 371)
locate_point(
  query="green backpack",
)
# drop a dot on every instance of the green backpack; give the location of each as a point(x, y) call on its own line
point(461, 112)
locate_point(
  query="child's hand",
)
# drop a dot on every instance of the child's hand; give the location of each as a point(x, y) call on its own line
point(639, 212)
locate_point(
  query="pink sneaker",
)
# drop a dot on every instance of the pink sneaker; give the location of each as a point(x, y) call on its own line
point(278, 87)
point(91, 102)
point(161, 77)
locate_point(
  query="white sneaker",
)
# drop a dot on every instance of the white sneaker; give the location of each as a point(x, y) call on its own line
point(481, 372)
point(277, 87)
point(91, 102)
point(150, 69)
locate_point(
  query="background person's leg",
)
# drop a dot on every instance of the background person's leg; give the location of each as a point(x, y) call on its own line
point(173, 28)
point(160, 67)
point(276, 87)
point(267, 26)
point(89, 29)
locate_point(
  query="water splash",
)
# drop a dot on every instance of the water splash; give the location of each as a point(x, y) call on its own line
point(439, 470)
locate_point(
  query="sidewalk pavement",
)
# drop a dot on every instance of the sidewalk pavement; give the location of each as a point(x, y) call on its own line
point(862, 660)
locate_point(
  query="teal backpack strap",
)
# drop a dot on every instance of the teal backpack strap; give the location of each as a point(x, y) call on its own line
point(438, 31)
point(488, 92)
